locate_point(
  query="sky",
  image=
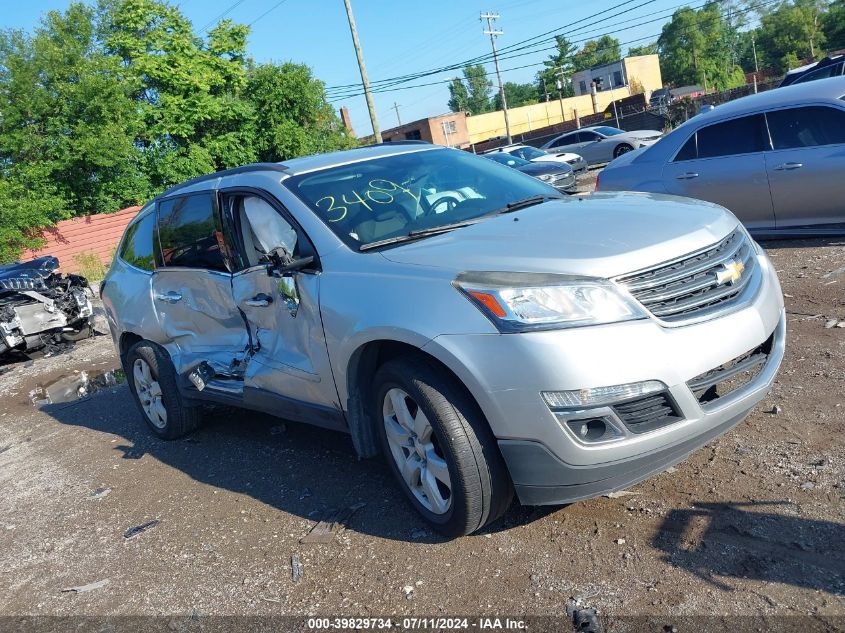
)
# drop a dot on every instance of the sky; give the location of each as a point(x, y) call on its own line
point(399, 37)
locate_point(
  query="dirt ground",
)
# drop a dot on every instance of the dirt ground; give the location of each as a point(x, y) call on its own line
point(752, 524)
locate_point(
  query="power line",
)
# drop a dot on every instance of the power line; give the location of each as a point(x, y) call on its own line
point(267, 12)
point(231, 8)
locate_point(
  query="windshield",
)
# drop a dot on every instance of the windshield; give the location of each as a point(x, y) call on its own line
point(507, 159)
point(530, 153)
point(608, 131)
point(392, 196)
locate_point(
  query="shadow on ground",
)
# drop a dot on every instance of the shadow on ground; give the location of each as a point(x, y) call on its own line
point(758, 540)
point(301, 470)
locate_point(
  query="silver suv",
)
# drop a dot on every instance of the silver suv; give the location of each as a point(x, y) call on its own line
point(482, 331)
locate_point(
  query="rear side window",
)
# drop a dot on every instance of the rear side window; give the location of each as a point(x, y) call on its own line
point(586, 137)
point(191, 233)
point(690, 149)
point(139, 245)
point(834, 70)
point(738, 136)
point(806, 127)
point(566, 140)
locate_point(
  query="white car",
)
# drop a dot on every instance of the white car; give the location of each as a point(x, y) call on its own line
point(526, 152)
point(602, 143)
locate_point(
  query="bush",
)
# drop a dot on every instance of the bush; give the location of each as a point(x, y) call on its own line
point(90, 266)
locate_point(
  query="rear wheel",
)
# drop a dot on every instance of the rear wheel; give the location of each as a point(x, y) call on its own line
point(152, 380)
point(622, 148)
point(439, 446)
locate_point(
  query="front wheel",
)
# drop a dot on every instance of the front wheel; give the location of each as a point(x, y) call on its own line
point(622, 148)
point(439, 446)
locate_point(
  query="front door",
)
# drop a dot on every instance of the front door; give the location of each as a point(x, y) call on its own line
point(806, 165)
point(725, 163)
point(288, 373)
point(192, 285)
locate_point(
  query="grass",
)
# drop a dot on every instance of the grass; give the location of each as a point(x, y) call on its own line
point(90, 266)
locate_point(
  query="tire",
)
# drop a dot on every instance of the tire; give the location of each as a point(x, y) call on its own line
point(479, 487)
point(179, 418)
point(622, 148)
point(86, 330)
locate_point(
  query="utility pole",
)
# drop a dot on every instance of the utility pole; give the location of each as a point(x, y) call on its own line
point(396, 107)
point(754, 49)
point(357, 44)
point(493, 34)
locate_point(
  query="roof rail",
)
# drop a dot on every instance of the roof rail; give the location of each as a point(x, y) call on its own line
point(400, 142)
point(279, 167)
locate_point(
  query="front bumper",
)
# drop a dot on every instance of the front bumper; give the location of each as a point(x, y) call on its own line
point(507, 372)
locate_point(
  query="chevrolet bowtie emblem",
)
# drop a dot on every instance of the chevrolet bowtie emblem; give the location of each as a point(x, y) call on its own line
point(731, 274)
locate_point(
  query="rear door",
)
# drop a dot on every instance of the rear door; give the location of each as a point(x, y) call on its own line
point(806, 165)
point(725, 163)
point(590, 146)
point(567, 143)
point(288, 373)
point(192, 285)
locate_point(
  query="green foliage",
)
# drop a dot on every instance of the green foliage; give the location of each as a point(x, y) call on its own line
point(560, 64)
point(472, 94)
point(833, 24)
point(516, 95)
point(90, 265)
point(790, 33)
point(644, 49)
point(100, 108)
point(695, 47)
point(603, 50)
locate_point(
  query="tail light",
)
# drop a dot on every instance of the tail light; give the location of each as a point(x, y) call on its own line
point(598, 175)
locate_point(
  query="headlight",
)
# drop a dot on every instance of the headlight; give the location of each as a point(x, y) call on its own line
point(545, 177)
point(517, 302)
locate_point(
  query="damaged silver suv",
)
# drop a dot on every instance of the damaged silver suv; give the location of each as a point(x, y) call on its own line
point(483, 332)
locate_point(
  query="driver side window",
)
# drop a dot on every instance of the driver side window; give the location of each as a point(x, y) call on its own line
point(264, 233)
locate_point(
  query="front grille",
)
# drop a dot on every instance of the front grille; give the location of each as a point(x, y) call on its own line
point(727, 378)
point(648, 413)
point(565, 179)
point(700, 282)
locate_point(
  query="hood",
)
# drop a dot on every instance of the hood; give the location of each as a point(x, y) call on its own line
point(564, 155)
point(602, 235)
point(545, 167)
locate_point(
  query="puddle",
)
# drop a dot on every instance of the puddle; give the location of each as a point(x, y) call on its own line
point(75, 386)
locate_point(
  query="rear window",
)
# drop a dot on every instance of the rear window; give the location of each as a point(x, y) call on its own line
point(738, 136)
point(190, 233)
point(806, 127)
point(139, 245)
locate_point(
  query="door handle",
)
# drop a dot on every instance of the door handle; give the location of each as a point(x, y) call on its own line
point(260, 300)
point(169, 297)
point(789, 166)
point(687, 176)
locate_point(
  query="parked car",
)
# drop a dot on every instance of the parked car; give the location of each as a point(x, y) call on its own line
point(660, 99)
point(561, 177)
point(40, 306)
point(775, 159)
point(534, 155)
point(513, 340)
point(828, 67)
point(601, 143)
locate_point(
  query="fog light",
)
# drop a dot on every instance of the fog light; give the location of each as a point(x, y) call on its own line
point(593, 429)
point(597, 396)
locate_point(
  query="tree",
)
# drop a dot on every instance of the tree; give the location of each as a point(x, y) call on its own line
point(644, 49)
point(472, 94)
point(604, 50)
point(558, 66)
point(790, 33)
point(516, 95)
point(833, 25)
point(694, 48)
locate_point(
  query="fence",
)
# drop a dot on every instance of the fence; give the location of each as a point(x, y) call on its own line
point(97, 234)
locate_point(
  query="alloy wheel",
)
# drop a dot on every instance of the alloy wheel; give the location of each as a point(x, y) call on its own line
point(149, 393)
point(413, 446)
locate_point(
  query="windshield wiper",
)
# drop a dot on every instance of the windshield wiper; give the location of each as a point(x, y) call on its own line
point(524, 203)
point(417, 234)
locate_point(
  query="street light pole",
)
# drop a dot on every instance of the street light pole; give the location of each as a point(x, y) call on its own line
point(366, 82)
point(493, 34)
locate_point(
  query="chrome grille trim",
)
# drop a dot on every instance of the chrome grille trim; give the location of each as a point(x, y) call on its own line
point(688, 287)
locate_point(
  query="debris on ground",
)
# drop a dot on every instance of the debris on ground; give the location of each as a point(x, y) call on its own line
point(584, 619)
point(296, 568)
point(620, 541)
point(278, 429)
point(409, 591)
point(620, 493)
point(326, 530)
point(100, 493)
point(775, 410)
point(135, 531)
point(86, 588)
point(831, 323)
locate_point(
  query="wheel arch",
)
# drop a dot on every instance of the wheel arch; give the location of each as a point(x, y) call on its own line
point(361, 367)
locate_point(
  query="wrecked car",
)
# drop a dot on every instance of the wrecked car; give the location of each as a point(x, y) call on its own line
point(485, 333)
point(40, 306)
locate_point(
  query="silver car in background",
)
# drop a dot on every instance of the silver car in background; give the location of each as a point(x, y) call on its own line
point(601, 143)
point(776, 159)
point(484, 332)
